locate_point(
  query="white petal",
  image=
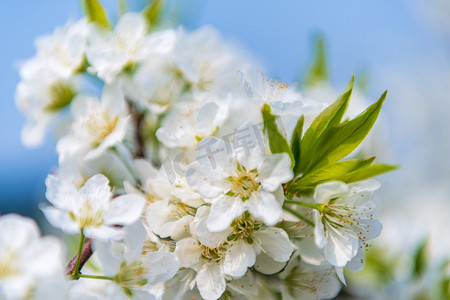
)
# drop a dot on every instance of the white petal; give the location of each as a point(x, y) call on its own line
point(60, 193)
point(104, 232)
point(206, 116)
point(340, 274)
point(266, 265)
point(125, 210)
point(188, 252)
point(214, 153)
point(210, 281)
point(208, 183)
point(239, 257)
point(109, 261)
point(223, 211)
point(319, 231)
point(264, 206)
point(275, 170)
point(341, 247)
point(249, 145)
point(17, 231)
point(61, 219)
point(275, 243)
point(97, 189)
point(357, 262)
point(310, 253)
point(176, 230)
point(208, 238)
point(245, 285)
point(162, 266)
point(45, 258)
point(329, 190)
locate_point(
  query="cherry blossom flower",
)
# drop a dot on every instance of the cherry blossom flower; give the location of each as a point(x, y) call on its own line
point(26, 259)
point(90, 208)
point(345, 221)
point(239, 180)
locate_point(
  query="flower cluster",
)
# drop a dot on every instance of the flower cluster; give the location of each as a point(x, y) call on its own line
point(186, 173)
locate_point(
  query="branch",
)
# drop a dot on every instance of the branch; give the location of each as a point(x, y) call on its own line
point(137, 118)
point(85, 255)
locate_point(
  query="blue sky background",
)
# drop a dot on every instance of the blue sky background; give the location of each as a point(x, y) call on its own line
point(396, 41)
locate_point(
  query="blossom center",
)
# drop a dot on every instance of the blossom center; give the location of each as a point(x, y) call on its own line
point(99, 127)
point(88, 216)
point(60, 95)
point(8, 264)
point(131, 276)
point(244, 227)
point(244, 184)
point(213, 254)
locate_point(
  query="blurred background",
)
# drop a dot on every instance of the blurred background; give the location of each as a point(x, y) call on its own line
point(400, 45)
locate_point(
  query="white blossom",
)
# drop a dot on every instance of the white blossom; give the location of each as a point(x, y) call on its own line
point(90, 208)
point(345, 221)
point(26, 259)
point(97, 125)
point(110, 51)
point(240, 179)
point(133, 268)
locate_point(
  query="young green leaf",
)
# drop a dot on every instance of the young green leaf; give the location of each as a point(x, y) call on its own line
point(368, 172)
point(296, 142)
point(420, 262)
point(96, 13)
point(341, 140)
point(328, 118)
point(277, 142)
point(337, 171)
point(319, 70)
point(153, 12)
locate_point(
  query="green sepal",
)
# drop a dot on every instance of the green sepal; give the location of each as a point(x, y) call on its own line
point(96, 13)
point(318, 71)
point(296, 143)
point(277, 142)
point(420, 260)
point(153, 12)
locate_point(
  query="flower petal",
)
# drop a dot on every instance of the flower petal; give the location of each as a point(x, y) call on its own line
point(264, 206)
point(188, 252)
point(124, 210)
point(210, 281)
point(329, 190)
point(223, 211)
point(238, 258)
point(275, 170)
point(275, 243)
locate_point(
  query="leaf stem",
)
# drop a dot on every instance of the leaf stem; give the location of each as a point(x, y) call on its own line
point(293, 212)
point(125, 163)
point(319, 207)
point(96, 277)
point(76, 272)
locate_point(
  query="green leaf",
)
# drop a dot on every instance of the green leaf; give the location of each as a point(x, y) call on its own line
point(296, 142)
point(277, 142)
point(420, 262)
point(319, 69)
point(96, 13)
point(341, 140)
point(369, 172)
point(153, 12)
point(122, 5)
point(337, 171)
point(328, 118)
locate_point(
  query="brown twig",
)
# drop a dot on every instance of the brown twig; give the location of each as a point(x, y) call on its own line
point(138, 119)
point(85, 255)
